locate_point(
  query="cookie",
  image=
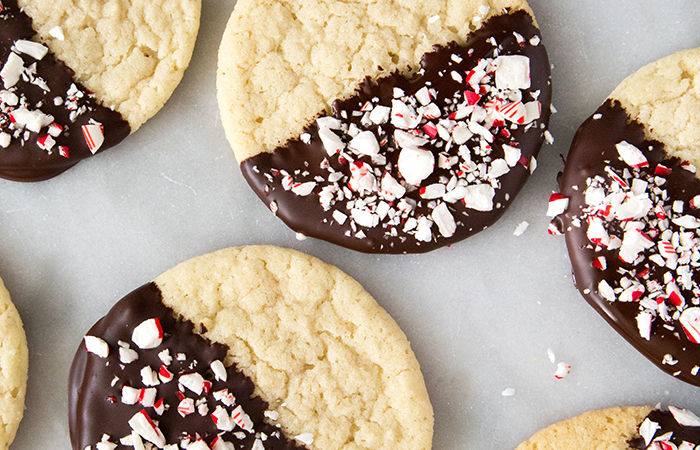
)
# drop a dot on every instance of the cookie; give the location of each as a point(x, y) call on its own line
point(629, 198)
point(251, 347)
point(628, 428)
point(78, 77)
point(380, 126)
point(13, 369)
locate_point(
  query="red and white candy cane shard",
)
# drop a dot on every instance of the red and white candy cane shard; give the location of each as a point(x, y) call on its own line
point(147, 397)
point(222, 419)
point(148, 334)
point(96, 346)
point(600, 263)
point(94, 136)
point(242, 419)
point(142, 424)
point(631, 155)
point(563, 369)
point(159, 407)
point(557, 204)
point(186, 407)
point(690, 321)
point(164, 374)
point(515, 112)
point(684, 417)
point(472, 97)
point(64, 151)
point(644, 320)
point(661, 170)
point(673, 294)
point(192, 381)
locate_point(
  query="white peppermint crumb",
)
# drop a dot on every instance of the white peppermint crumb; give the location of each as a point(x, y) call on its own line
point(508, 392)
point(305, 438)
point(434, 18)
point(548, 137)
point(57, 32)
point(550, 355)
point(520, 228)
point(300, 237)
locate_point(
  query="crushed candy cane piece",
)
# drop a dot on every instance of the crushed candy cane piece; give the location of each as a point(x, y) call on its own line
point(684, 417)
point(305, 438)
point(508, 392)
point(557, 204)
point(562, 371)
point(96, 346)
point(520, 228)
point(94, 136)
point(142, 424)
point(148, 334)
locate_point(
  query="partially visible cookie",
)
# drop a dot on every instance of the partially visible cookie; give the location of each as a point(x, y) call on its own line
point(79, 76)
point(13, 369)
point(255, 346)
point(629, 202)
point(382, 126)
point(627, 428)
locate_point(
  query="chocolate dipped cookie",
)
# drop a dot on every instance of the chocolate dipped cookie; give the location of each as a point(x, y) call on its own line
point(385, 127)
point(13, 369)
point(79, 77)
point(627, 428)
point(248, 348)
point(628, 205)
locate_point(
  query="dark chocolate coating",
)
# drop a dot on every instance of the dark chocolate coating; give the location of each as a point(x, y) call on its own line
point(305, 215)
point(593, 149)
point(26, 161)
point(668, 424)
point(94, 405)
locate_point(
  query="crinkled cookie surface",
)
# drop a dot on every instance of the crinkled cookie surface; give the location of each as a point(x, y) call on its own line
point(13, 369)
point(607, 429)
point(130, 53)
point(282, 62)
point(318, 348)
point(665, 97)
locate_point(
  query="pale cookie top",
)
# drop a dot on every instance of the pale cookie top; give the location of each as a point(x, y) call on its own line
point(665, 97)
point(281, 63)
point(607, 429)
point(319, 349)
point(13, 369)
point(130, 53)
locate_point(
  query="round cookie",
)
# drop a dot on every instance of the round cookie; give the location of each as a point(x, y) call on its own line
point(626, 428)
point(309, 356)
point(79, 76)
point(13, 369)
point(628, 205)
point(384, 127)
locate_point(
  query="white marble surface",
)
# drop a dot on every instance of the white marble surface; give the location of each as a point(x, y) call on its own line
point(480, 314)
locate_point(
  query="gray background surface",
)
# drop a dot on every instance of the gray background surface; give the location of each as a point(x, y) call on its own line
point(480, 314)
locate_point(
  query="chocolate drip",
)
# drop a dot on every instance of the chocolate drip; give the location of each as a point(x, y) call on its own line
point(94, 399)
point(593, 149)
point(304, 214)
point(23, 159)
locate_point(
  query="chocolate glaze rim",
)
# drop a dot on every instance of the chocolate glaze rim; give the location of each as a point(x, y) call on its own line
point(380, 243)
point(579, 255)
